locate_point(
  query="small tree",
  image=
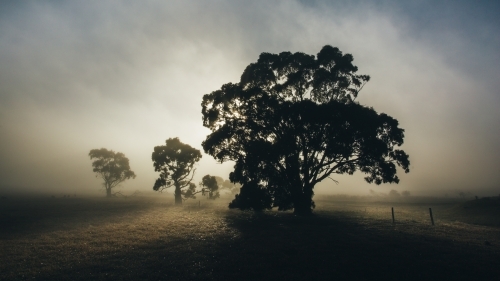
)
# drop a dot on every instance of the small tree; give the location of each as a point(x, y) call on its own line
point(464, 194)
point(210, 187)
point(112, 167)
point(394, 193)
point(233, 187)
point(175, 162)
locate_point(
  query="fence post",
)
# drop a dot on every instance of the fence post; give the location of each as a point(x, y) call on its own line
point(432, 218)
point(392, 210)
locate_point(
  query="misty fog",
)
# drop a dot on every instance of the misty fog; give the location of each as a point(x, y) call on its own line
point(127, 76)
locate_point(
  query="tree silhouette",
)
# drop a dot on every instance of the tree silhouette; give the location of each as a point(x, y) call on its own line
point(210, 187)
point(291, 122)
point(112, 167)
point(394, 193)
point(175, 162)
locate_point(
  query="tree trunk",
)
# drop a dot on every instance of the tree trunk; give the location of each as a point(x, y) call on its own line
point(178, 195)
point(108, 192)
point(301, 193)
point(303, 208)
point(302, 203)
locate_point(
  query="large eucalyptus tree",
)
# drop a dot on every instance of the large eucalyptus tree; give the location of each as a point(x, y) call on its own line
point(291, 122)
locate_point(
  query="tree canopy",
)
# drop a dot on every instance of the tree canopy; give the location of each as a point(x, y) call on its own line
point(112, 167)
point(175, 162)
point(291, 122)
point(210, 186)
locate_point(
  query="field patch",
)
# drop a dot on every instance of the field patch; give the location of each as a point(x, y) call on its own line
point(147, 238)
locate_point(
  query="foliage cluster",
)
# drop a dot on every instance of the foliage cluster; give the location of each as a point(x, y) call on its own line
point(112, 167)
point(291, 122)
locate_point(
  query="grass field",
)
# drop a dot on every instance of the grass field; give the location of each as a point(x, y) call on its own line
point(146, 238)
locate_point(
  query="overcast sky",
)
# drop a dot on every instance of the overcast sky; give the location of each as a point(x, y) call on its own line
point(127, 75)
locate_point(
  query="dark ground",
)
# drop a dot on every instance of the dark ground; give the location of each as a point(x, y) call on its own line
point(146, 239)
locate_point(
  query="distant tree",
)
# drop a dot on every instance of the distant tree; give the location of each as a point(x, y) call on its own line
point(394, 193)
point(405, 193)
point(291, 122)
point(464, 194)
point(233, 187)
point(213, 185)
point(220, 181)
point(112, 167)
point(210, 187)
point(175, 162)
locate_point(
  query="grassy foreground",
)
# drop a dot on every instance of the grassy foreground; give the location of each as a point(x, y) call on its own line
point(145, 238)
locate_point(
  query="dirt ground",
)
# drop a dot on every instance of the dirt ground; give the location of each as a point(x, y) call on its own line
point(145, 238)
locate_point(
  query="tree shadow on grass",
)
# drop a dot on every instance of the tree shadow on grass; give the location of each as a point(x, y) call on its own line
point(281, 246)
point(323, 247)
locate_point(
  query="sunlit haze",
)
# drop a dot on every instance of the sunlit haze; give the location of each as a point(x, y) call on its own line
point(126, 76)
